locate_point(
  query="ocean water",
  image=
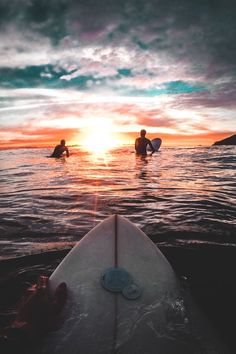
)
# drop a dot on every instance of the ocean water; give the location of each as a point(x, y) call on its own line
point(182, 198)
point(178, 196)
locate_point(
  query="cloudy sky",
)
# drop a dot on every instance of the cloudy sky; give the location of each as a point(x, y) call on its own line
point(71, 66)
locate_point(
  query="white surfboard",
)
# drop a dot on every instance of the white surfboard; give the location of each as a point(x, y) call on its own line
point(123, 297)
point(156, 143)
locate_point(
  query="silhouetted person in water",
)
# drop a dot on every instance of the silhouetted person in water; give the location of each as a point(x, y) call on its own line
point(141, 144)
point(59, 149)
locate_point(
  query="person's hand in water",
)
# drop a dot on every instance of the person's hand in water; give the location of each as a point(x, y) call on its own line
point(38, 311)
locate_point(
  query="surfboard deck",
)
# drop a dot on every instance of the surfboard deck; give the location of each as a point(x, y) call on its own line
point(156, 143)
point(101, 321)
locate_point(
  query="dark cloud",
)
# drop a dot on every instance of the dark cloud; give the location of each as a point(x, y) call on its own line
point(199, 35)
point(45, 16)
point(210, 23)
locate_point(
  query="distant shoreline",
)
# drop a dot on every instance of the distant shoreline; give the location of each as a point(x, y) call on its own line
point(230, 141)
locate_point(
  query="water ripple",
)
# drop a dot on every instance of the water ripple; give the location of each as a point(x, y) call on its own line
point(176, 191)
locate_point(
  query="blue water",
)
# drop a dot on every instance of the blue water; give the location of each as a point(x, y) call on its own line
point(179, 196)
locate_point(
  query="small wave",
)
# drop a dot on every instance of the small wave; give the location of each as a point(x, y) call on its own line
point(22, 174)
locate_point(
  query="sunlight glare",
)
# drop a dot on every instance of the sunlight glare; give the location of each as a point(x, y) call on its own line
point(99, 136)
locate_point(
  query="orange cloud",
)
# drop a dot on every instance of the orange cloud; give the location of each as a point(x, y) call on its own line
point(42, 137)
point(183, 140)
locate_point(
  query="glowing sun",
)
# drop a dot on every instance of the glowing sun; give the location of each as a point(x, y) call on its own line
point(99, 136)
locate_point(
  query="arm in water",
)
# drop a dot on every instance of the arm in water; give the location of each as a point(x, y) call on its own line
point(136, 144)
point(38, 313)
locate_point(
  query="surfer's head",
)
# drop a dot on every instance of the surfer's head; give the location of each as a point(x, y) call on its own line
point(63, 142)
point(143, 133)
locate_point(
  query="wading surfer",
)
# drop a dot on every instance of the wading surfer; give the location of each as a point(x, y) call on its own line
point(141, 144)
point(60, 149)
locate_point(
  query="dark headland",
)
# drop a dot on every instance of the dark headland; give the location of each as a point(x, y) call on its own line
point(228, 141)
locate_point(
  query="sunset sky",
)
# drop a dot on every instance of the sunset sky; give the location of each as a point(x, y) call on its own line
point(76, 68)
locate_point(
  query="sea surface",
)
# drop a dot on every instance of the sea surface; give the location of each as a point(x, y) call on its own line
point(184, 199)
point(178, 196)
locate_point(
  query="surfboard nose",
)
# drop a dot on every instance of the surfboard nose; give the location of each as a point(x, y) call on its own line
point(113, 264)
